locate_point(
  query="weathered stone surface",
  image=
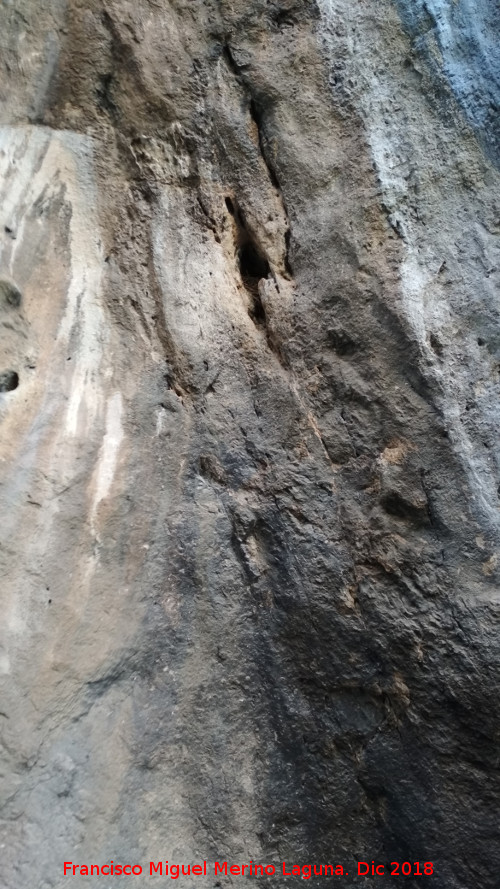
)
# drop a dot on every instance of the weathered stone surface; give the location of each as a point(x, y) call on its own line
point(250, 483)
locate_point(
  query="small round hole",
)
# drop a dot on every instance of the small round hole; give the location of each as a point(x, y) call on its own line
point(9, 380)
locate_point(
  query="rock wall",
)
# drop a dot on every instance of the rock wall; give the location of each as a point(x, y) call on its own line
point(249, 380)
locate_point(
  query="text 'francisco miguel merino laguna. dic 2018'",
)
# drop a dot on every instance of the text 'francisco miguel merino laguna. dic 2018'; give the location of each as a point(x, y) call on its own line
point(225, 868)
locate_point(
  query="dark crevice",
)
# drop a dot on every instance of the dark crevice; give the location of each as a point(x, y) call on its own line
point(256, 113)
point(341, 342)
point(253, 264)
point(257, 312)
point(208, 216)
point(142, 318)
point(436, 344)
point(104, 94)
point(398, 506)
point(257, 117)
point(433, 520)
point(288, 237)
point(10, 294)
point(285, 18)
point(254, 267)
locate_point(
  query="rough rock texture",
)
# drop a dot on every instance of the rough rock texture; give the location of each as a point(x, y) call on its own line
point(249, 386)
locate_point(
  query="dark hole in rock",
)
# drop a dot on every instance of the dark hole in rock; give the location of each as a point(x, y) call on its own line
point(253, 267)
point(9, 380)
point(10, 294)
point(480, 341)
point(436, 344)
point(253, 264)
point(257, 313)
point(341, 342)
point(285, 17)
point(397, 505)
point(256, 112)
point(288, 240)
point(252, 261)
point(104, 93)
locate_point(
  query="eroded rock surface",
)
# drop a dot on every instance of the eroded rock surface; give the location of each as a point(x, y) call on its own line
point(249, 385)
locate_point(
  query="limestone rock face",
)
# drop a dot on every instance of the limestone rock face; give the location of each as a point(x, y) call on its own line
point(249, 403)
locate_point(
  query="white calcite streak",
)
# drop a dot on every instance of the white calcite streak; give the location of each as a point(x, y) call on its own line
point(84, 314)
point(53, 254)
point(109, 453)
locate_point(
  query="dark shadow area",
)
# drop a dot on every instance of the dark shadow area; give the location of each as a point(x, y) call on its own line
point(9, 380)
